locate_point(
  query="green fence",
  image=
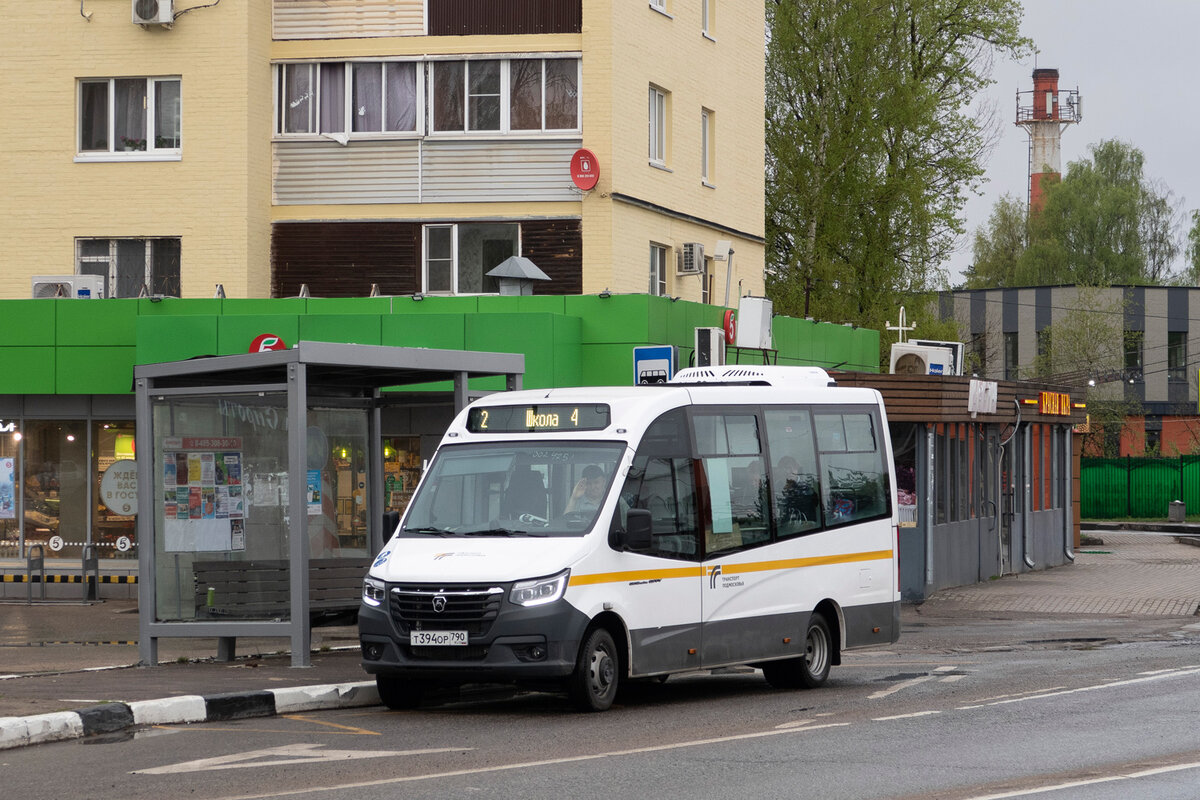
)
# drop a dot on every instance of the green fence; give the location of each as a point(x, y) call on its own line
point(1137, 487)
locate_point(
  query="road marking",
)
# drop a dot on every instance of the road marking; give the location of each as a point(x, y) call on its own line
point(906, 716)
point(531, 764)
point(902, 685)
point(1179, 673)
point(287, 754)
point(984, 700)
point(345, 728)
point(1146, 773)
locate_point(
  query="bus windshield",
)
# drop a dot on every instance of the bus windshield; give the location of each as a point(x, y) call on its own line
point(514, 489)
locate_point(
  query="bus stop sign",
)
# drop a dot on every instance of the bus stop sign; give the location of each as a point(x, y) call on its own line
point(653, 364)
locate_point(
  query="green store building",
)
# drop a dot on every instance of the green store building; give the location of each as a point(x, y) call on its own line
point(67, 401)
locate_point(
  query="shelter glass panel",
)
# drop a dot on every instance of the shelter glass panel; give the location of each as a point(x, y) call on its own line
point(220, 499)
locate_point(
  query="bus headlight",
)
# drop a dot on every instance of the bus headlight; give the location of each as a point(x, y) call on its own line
point(540, 591)
point(374, 591)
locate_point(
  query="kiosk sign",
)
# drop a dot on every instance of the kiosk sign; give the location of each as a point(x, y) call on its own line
point(119, 487)
point(585, 171)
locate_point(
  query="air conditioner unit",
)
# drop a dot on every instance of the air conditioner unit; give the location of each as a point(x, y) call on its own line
point(691, 259)
point(710, 347)
point(153, 12)
point(918, 359)
point(957, 349)
point(71, 286)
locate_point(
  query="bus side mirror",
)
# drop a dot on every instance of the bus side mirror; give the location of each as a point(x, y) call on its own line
point(639, 530)
point(390, 520)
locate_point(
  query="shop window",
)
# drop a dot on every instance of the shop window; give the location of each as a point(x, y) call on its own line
point(458, 257)
point(10, 488)
point(401, 471)
point(55, 489)
point(114, 531)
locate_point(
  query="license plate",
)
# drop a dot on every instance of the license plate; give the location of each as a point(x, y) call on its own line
point(438, 638)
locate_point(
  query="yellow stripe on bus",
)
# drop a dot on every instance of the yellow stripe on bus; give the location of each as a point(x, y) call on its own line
point(728, 569)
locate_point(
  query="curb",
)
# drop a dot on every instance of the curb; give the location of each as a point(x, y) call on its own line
point(114, 717)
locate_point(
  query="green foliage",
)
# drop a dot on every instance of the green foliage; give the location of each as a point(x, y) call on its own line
point(870, 148)
point(1104, 223)
point(1191, 275)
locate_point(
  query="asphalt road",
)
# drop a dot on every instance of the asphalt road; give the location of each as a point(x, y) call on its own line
point(1095, 720)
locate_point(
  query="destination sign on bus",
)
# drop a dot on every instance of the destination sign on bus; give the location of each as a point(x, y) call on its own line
point(525, 419)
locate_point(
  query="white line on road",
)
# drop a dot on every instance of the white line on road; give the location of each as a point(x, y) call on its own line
point(287, 754)
point(529, 764)
point(899, 686)
point(1158, 677)
point(906, 716)
point(1146, 773)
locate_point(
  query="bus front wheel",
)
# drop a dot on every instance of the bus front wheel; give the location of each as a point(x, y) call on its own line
point(593, 686)
point(810, 670)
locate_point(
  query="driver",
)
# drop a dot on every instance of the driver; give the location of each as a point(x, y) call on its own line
point(589, 491)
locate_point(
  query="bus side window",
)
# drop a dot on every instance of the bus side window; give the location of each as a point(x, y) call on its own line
point(854, 481)
point(794, 480)
point(736, 499)
point(662, 481)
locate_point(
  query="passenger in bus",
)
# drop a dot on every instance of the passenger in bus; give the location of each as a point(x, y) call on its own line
point(589, 491)
point(797, 499)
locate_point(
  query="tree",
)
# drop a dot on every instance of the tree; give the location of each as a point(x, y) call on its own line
point(1104, 223)
point(871, 148)
point(1191, 274)
point(998, 246)
point(1085, 350)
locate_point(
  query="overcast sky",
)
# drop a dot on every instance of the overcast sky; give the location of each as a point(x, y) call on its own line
point(1136, 64)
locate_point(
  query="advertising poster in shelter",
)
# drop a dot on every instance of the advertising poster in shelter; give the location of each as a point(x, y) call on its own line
point(8, 489)
point(203, 505)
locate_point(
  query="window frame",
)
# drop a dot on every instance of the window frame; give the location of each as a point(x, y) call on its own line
point(1177, 356)
point(658, 269)
point(504, 98)
point(707, 18)
point(154, 284)
point(706, 147)
point(150, 151)
point(657, 115)
point(454, 228)
point(280, 88)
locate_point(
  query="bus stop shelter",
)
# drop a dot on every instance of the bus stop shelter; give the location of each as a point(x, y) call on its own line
point(252, 465)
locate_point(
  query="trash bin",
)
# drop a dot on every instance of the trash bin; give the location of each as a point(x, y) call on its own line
point(1176, 511)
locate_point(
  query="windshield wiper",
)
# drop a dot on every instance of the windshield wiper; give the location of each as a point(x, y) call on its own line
point(502, 532)
point(431, 531)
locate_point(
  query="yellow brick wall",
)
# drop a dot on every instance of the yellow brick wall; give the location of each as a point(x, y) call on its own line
point(212, 197)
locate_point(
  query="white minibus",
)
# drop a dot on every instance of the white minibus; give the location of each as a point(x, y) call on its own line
point(580, 538)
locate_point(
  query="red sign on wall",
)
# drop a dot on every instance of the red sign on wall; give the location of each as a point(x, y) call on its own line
point(266, 342)
point(585, 170)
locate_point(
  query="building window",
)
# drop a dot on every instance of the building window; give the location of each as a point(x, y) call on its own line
point(1010, 356)
point(1177, 355)
point(1045, 352)
point(1133, 356)
point(129, 265)
point(658, 270)
point(706, 145)
point(520, 94)
point(658, 126)
point(706, 281)
point(707, 16)
point(133, 117)
point(384, 98)
point(459, 256)
point(659, 5)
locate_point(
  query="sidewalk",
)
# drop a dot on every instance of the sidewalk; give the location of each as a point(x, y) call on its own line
point(66, 669)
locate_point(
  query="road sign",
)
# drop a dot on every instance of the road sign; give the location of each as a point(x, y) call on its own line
point(653, 364)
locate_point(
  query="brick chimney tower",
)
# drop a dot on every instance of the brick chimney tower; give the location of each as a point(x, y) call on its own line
point(1045, 116)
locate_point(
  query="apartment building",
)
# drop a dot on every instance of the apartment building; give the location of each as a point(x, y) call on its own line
point(409, 145)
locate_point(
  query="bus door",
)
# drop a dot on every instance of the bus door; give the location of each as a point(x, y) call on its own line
point(663, 591)
point(744, 599)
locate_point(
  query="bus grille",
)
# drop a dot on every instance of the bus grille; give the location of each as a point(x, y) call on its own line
point(449, 608)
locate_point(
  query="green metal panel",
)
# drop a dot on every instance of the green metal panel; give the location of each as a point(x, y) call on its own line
point(607, 364)
point(440, 331)
point(568, 357)
point(676, 320)
point(351, 305)
point(785, 334)
point(174, 306)
point(96, 322)
point(620, 318)
point(523, 304)
point(351, 328)
point(94, 370)
point(29, 322)
point(235, 333)
point(256, 307)
point(814, 346)
point(29, 370)
point(531, 334)
point(435, 305)
point(162, 339)
point(1144, 487)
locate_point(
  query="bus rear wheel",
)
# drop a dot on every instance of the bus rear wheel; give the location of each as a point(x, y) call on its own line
point(810, 670)
point(593, 686)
